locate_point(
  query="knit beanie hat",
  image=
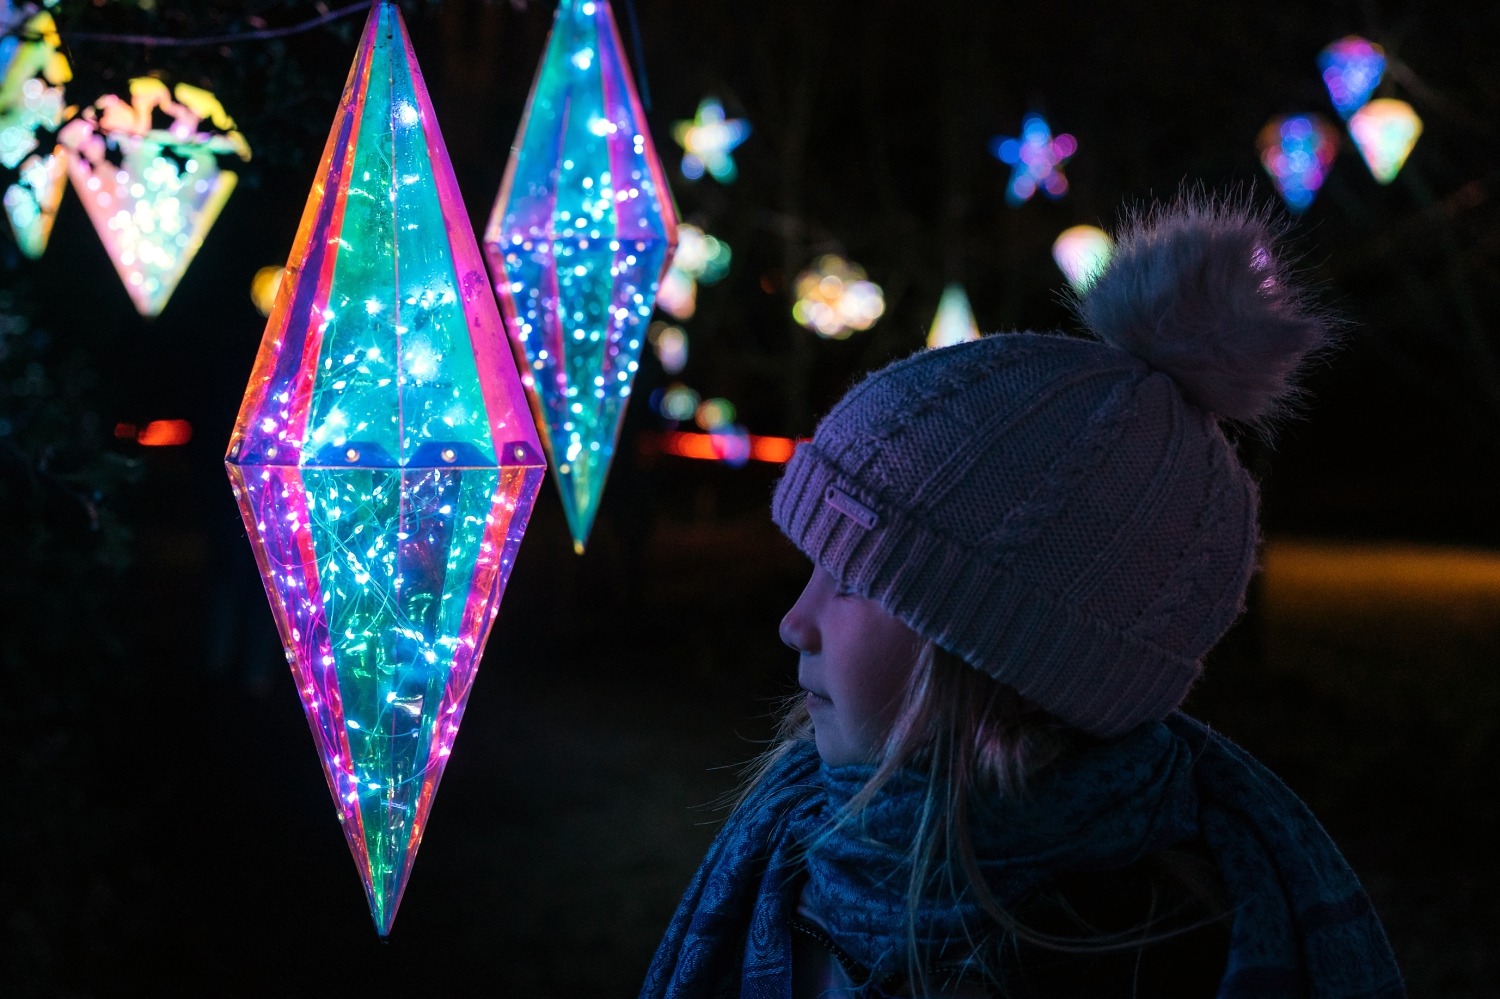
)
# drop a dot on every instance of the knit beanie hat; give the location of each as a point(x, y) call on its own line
point(1066, 514)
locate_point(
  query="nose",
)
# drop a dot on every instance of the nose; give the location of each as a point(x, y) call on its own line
point(798, 627)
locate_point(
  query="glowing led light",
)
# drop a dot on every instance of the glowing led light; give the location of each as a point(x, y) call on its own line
point(1036, 159)
point(578, 244)
point(165, 433)
point(734, 447)
point(1297, 151)
point(954, 321)
point(153, 209)
point(1082, 252)
point(1384, 131)
point(385, 510)
point(264, 286)
point(1351, 68)
point(834, 299)
point(708, 139)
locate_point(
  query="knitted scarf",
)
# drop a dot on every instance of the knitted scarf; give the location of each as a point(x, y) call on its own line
point(1302, 925)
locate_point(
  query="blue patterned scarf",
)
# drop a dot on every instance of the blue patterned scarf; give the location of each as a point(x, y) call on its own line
point(1302, 925)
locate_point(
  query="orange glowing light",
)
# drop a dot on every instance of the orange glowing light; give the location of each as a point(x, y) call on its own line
point(165, 433)
point(711, 447)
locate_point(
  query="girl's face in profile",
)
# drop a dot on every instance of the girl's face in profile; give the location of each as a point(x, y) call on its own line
point(856, 659)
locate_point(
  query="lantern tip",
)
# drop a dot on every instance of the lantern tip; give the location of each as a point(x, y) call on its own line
point(577, 547)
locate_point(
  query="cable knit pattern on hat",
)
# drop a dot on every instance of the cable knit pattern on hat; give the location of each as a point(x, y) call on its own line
point(1064, 513)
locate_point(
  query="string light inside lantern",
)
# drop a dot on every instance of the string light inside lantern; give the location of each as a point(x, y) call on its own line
point(834, 299)
point(578, 243)
point(1384, 131)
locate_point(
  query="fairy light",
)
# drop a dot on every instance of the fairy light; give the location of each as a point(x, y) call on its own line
point(578, 243)
point(834, 299)
point(384, 461)
point(1298, 151)
point(708, 140)
point(1036, 159)
point(1082, 252)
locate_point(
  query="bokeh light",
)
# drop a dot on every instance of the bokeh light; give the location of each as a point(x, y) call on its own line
point(834, 299)
point(708, 140)
point(264, 286)
point(678, 403)
point(954, 321)
point(33, 168)
point(1297, 151)
point(715, 414)
point(1352, 68)
point(1384, 131)
point(1082, 252)
point(1036, 158)
point(671, 346)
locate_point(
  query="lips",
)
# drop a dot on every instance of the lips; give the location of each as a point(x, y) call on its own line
point(815, 699)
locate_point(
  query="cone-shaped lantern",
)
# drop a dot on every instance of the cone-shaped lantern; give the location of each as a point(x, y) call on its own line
point(580, 236)
point(384, 460)
point(954, 321)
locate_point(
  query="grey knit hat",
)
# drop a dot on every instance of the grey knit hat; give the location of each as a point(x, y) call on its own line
point(1066, 514)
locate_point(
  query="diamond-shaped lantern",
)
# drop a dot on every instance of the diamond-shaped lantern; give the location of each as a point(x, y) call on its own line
point(580, 236)
point(384, 460)
point(33, 170)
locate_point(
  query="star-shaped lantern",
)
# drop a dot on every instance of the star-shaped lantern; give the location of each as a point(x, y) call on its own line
point(384, 460)
point(708, 139)
point(580, 236)
point(1036, 158)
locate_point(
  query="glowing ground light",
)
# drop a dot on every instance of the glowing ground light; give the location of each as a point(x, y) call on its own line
point(1297, 151)
point(707, 141)
point(1036, 159)
point(733, 448)
point(32, 74)
point(384, 461)
point(1082, 252)
point(1384, 131)
point(1351, 68)
point(578, 241)
point(264, 286)
point(834, 299)
point(954, 321)
point(153, 193)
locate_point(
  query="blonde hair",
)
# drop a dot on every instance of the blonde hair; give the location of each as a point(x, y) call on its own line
point(970, 736)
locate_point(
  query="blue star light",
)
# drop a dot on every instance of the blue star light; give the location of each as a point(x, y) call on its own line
point(1036, 158)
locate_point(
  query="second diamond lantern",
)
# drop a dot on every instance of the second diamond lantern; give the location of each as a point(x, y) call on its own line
point(580, 236)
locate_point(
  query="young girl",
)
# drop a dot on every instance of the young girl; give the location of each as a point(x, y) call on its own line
point(1022, 549)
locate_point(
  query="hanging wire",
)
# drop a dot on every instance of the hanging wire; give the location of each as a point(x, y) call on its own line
point(239, 36)
point(640, 55)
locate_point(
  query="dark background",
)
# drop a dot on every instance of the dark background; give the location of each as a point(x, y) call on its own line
point(165, 826)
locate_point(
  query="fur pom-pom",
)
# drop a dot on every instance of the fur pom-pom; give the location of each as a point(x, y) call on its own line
point(1201, 289)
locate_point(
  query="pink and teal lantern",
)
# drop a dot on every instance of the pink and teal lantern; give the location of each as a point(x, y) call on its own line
point(580, 237)
point(1297, 151)
point(1351, 68)
point(384, 460)
point(1036, 159)
point(153, 193)
point(1385, 131)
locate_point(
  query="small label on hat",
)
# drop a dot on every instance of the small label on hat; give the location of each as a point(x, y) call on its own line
point(851, 508)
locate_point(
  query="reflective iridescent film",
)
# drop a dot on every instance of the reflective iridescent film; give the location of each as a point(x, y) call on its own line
point(384, 460)
point(581, 233)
